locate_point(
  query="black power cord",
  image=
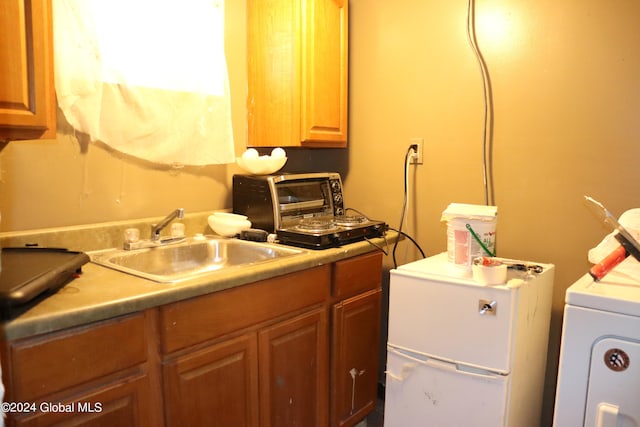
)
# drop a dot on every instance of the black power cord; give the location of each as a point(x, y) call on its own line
point(413, 149)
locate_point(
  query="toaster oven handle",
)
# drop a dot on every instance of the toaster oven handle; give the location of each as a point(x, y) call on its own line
point(285, 207)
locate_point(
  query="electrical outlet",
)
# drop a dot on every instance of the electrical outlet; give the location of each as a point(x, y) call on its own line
point(416, 158)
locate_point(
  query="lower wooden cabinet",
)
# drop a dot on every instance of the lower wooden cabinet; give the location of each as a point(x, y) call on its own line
point(294, 367)
point(355, 338)
point(296, 350)
point(94, 375)
point(354, 374)
point(216, 386)
point(274, 376)
point(254, 355)
point(123, 403)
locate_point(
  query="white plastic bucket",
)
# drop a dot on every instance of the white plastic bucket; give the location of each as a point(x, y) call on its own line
point(463, 221)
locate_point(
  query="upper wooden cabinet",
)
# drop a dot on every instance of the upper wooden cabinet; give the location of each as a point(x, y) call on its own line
point(297, 73)
point(27, 97)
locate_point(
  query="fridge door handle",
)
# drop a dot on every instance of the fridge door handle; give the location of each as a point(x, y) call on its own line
point(407, 367)
point(487, 307)
point(440, 364)
point(479, 373)
point(406, 371)
point(435, 363)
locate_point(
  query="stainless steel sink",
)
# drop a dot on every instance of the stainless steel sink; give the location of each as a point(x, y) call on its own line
point(191, 258)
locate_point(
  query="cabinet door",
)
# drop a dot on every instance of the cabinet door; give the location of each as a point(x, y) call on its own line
point(27, 99)
point(325, 73)
point(297, 73)
point(294, 371)
point(354, 371)
point(217, 386)
point(124, 404)
point(273, 53)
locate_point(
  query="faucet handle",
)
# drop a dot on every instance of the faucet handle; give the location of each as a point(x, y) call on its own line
point(131, 235)
point(177, 229)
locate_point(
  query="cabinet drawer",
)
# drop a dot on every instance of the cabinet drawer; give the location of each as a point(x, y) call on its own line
point(123, 403)
point(355, 275)
point(200, 319)
point(41, 366)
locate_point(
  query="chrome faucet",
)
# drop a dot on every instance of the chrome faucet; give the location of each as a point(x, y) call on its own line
point(155, 231)
point(132, 240)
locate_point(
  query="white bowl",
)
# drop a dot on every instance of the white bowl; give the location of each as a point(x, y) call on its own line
point(227, 227)
point(229, 215)
point(263, 165)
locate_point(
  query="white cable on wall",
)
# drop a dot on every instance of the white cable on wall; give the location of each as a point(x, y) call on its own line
point(487, 134)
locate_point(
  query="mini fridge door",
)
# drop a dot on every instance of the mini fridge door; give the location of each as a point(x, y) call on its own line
point(422, 391)
point(453, 319)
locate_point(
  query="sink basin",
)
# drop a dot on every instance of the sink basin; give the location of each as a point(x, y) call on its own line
point(191, 258)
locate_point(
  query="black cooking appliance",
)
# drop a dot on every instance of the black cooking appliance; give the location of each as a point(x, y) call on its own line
point(319, 233)
point(33, 271)
point(304, 210)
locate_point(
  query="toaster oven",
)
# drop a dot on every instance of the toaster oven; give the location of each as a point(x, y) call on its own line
point(273, 202)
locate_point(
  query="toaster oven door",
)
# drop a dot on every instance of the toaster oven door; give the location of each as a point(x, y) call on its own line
point(303, 199)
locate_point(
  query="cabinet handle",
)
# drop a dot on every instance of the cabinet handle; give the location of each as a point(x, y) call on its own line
point(354, 373)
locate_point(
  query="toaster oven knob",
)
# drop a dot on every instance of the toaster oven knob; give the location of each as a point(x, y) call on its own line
point(337, 198)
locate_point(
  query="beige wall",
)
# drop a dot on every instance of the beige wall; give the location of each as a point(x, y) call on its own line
point(72, 181)
point(566, 93)
point(567, 97)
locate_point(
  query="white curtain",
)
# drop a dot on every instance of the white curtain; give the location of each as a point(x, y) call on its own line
point(146, 77)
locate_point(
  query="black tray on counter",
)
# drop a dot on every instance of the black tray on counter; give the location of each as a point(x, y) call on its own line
point(31, 271)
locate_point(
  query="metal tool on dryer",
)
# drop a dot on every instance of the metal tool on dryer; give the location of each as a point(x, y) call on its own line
point(628, 244)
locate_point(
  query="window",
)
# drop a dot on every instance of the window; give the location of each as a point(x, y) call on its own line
point(146, 77)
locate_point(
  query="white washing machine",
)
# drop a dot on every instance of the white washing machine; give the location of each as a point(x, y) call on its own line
point(599, 373)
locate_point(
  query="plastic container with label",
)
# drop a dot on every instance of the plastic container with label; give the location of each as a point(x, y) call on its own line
point(471, 233)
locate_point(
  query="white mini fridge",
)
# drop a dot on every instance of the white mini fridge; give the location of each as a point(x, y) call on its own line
point(463, 354)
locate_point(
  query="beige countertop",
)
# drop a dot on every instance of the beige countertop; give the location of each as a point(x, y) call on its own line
point(101, 293)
